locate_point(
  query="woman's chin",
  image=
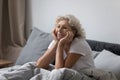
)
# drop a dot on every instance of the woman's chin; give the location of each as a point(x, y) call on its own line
point(59, 38)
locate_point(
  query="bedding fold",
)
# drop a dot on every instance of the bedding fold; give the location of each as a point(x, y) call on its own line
point(28, 71)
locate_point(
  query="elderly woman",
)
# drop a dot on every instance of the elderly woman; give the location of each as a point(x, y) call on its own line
point(69, 47)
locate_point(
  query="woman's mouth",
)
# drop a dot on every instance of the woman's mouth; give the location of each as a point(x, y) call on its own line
point(59, 35)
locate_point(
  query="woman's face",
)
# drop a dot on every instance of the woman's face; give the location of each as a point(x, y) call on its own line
point(61, 28)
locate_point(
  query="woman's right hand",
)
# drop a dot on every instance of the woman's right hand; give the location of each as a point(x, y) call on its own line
point(54, 34)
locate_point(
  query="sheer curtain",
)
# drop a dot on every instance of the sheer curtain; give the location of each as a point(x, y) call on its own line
point(13, 28)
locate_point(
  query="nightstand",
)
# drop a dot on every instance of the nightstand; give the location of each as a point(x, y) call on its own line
point(5, 63)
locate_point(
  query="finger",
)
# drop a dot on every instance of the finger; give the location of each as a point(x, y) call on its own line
point(71, 35)
point(67, 35)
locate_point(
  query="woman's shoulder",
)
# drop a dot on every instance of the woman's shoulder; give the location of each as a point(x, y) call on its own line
point(80, 45)
point(79, 40)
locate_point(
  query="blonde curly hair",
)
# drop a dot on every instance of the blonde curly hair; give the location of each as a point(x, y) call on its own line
point(74, 24)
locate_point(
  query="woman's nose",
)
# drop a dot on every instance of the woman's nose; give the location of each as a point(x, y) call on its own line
point(60, 29)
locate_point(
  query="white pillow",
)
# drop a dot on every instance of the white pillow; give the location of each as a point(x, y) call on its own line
point(108, 61)
point(95, 54)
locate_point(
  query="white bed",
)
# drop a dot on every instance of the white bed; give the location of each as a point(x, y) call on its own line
point(106, 56)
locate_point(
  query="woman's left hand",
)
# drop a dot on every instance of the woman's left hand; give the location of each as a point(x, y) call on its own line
point(68, 38)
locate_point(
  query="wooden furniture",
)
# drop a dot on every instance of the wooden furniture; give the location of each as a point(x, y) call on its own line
point(5, 63)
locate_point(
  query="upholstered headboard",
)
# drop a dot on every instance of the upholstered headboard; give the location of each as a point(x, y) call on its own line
point(99, 46)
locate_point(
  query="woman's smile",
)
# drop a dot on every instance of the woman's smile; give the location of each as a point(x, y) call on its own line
point(59, 35)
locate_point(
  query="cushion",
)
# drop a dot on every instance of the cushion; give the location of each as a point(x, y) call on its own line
point(95, 54)
point(35, 47)
point(108, 61)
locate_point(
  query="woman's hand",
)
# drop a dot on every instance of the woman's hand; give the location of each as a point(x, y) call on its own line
point(68, 38)
point(54, 34)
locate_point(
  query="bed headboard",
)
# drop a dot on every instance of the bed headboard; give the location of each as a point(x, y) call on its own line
point(99, 46)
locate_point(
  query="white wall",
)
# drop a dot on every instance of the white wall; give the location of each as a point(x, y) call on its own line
point(100, 18)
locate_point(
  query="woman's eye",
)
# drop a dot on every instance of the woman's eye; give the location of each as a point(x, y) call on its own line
point(64, 28)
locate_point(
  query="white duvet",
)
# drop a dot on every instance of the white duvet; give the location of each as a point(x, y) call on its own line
point(28, 71)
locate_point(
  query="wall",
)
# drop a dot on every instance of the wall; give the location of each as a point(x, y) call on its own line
point(100, 18)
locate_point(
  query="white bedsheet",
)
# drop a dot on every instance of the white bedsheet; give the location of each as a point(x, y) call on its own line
point(28, 71)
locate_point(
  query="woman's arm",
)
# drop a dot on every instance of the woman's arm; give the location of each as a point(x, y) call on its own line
point(59, 59)
point(70, 60)
point(44, 61)
point(71, 57)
